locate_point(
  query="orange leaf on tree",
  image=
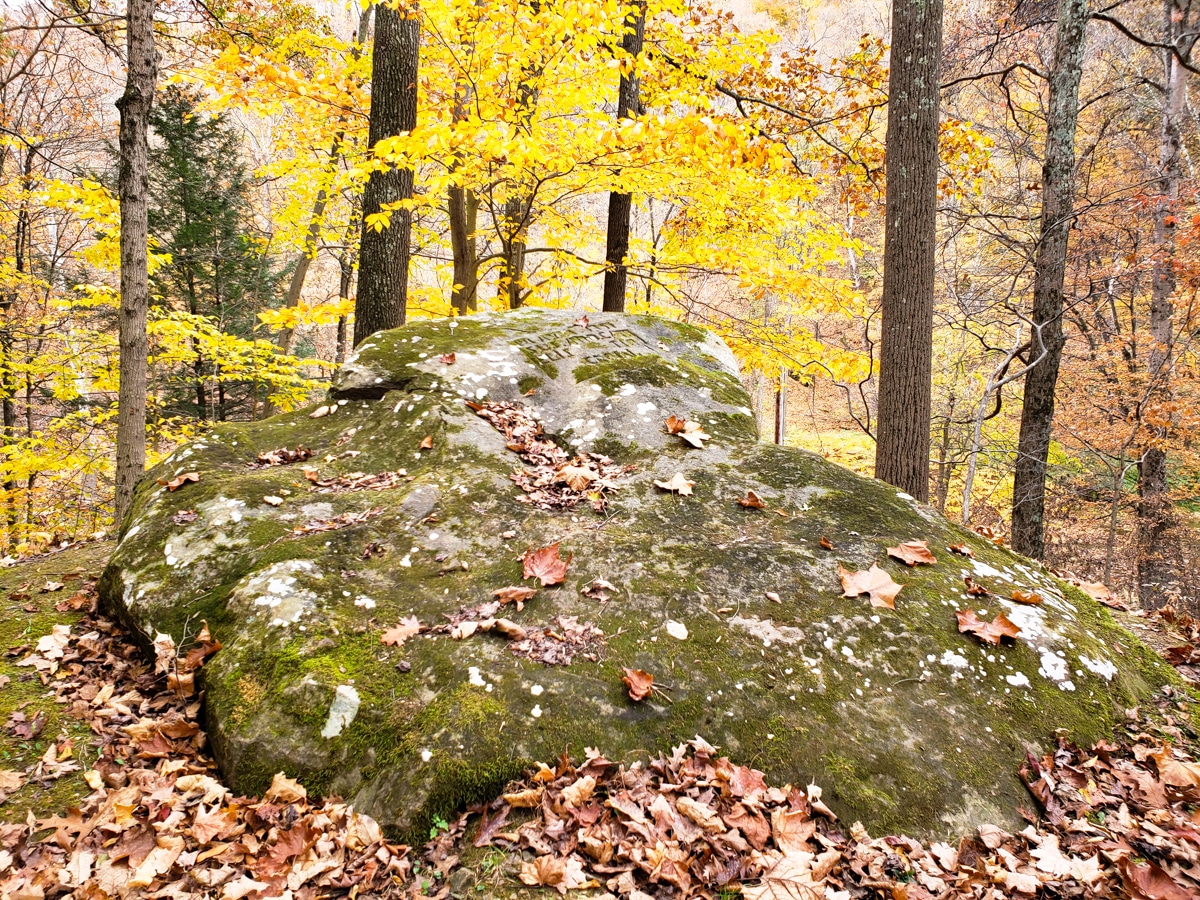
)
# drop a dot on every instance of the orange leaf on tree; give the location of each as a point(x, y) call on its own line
point(546, 565)
point(912, 553)
point(875, 582)
point(989, 632)
point(403, 630)
point(640, 683)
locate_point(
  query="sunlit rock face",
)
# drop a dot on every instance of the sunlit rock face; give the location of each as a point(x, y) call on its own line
point(429, 481)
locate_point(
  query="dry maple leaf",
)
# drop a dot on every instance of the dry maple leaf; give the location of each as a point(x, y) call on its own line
point(545, 565)
point(989, 632)
point(577, 478)
point(974, 588)
point(640, 683)
point(427, 442)
point(752, 501)
point(875, 582)
point(516, 594)
point(403, 630)
point(174, 484)
point(912, 553)
point(1027, 597)
point(692, 432)
point(678, 484)
point(1095, 590)
point(826, 543)
point(581, 322)
point(448, 358)
point(962, 550)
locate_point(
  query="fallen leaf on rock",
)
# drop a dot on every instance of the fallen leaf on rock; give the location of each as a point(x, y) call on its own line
point(913, 553)
point(874, 582)
point(51, 586)
point(989, 632)
point(174, 484)
point(401, 632)
point(826, 543)
point(974, 588)
point(962, 550)
point(639, 683)
point(1027, 597)
point(271, 500)
point(677, 630)
point(515, 594)
point(545, 565)
point(281, 457)
point(598, 589)
point(678, 484)
point(579, 793)
point(426, 442)
point(448, 358)
point(577, 478)
point(1097, 591)
point(690, 431)
point(581, 322)
point(10, 781)
point(773, 597)
point(463, 630)
point(752, 501)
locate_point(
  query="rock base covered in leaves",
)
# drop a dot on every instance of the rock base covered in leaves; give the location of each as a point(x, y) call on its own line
point(499, 530)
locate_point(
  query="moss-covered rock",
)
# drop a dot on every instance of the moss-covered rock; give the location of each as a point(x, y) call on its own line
point(909, 724)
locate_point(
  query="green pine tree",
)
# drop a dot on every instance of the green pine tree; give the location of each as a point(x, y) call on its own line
point(200, 213)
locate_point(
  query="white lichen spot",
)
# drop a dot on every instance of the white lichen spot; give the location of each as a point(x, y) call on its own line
point(984, 570)
point(537, 690)
point(342, 711)
point(536, 712)
point(1053, 667)
point(1102, 667)
point(644, 408)
point(628, 390)
point(364, 601)
point(426, 755)
point(954, 660)
point(475, 678)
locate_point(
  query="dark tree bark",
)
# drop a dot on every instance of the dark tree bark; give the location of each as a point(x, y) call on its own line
point(286, 341)
point(384, 254)
point(1159, 551)
point(132, 186)
point(621, 204)
point(1050, 265)
point(906, 344)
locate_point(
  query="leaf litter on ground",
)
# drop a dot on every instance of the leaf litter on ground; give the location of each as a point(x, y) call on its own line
point(1116, 821)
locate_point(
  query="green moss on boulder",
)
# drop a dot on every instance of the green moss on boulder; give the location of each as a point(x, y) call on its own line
point(908, 724)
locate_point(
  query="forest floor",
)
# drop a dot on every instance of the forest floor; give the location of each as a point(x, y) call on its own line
point(107, 790)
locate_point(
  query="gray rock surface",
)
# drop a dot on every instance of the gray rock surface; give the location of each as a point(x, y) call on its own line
point(908, 724)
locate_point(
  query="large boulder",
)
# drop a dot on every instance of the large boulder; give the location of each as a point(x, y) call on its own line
point(428, 483)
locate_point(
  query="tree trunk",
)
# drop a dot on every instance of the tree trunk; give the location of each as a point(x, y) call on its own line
point(781, 408)
point(463, 207)
point(1158, 540)
point(945, 466)
point(906, 342)
point(286, 340)
point(132, 186)
point(1050, 265)
point(384, 253)
point(619, 204)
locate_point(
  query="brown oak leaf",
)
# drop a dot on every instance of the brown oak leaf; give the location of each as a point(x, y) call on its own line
point(1028, 597)
point(514, 594)
point(874, 582)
